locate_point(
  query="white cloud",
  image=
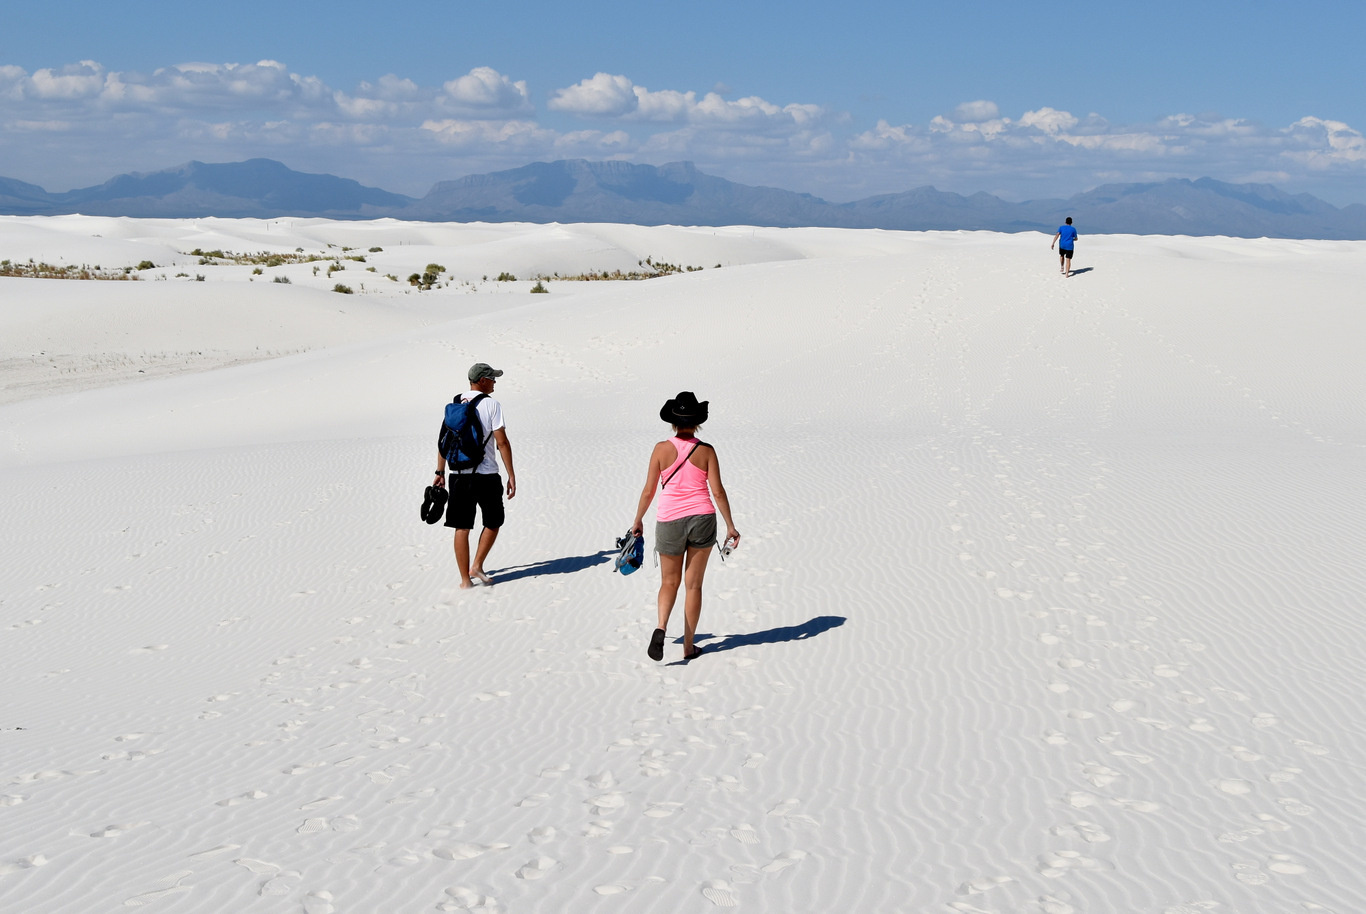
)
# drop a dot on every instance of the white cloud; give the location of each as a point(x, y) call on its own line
point(1049, 121)
point(485, 89)
point(976, 112)
point(607, 96)
point(76, 81)
point(602, 95)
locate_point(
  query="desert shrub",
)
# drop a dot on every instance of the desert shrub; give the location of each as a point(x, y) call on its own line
point(283, 279)
point(199, 277)
point(146, 265)
point(428, 277)
point(539, 287)
point(344, 290)
point(376, 250)
point(257, 272)
point(506, 277)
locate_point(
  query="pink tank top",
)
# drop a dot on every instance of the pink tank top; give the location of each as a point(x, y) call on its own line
point(686, 494)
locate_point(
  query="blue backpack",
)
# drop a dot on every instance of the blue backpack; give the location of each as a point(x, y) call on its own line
point(462, 440)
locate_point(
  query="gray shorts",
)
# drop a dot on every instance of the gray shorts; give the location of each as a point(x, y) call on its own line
point(674, 537)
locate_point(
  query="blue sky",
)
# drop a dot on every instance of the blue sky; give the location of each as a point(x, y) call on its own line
point(839, 100)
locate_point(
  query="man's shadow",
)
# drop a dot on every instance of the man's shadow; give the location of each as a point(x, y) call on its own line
point(1082, 270)
point(808, 629)
point(566, 565)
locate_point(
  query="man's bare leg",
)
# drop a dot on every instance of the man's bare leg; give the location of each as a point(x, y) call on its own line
point(462, 557)
point(486, 539)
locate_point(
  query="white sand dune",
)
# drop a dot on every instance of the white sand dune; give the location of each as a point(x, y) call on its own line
point(1049, 598)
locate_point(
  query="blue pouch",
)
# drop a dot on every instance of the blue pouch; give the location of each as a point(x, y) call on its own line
point(631, 554)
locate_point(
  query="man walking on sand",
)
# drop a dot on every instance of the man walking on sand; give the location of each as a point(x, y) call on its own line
point(480, 487)
point(1068, 235)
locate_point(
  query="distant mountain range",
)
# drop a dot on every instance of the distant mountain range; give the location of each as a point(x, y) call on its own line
point(679, 194)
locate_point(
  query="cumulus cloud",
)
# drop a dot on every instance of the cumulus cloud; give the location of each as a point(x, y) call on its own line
point(485, 89)
point(608, 96)
point(602, 95)
point(976, 112)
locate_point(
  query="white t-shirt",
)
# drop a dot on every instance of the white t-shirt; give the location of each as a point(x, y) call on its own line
point(491, 415)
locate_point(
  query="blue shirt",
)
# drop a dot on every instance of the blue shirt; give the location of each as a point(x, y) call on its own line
point(1067, 237)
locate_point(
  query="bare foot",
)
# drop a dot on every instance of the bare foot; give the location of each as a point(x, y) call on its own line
point(482, 576)
point(466, 584)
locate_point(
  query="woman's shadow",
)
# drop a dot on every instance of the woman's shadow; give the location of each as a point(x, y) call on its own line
point(808, 629)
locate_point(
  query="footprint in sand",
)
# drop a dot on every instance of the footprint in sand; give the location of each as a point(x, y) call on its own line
point(745, 834)
point(1285, 865)
point(1100, 775)
point(1086, 831)
point(1311, 748)
point(982, 884)
point(606, 804)
point(1244, 754)
point(23, 863)
point(1060, 863)
point(114, 831)
point(1295, 807)
point(612, 888)
point(319, 902)
point(783, 861)
point(467, 851)
point(314, 804)
point(162, 888)
point(720, 893)
point(537, 868)
point(244, 798)
point(466, 899)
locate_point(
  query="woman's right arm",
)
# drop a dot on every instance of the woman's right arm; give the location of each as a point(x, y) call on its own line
point(647, 494)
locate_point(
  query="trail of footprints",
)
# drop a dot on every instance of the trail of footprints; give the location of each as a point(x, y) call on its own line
point(688, 743)
point(1101, 638)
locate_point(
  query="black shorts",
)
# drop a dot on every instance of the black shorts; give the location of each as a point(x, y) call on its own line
point(468, 490)
point(1066, 252)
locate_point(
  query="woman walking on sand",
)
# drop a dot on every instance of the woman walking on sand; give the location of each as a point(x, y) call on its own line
point(685, 521)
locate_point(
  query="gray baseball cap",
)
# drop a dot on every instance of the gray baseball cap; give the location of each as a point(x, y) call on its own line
point(481, 370)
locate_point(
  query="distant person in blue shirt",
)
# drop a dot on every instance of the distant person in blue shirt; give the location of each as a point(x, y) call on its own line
point(1068, 236)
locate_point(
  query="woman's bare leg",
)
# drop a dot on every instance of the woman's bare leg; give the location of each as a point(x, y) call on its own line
point(670, 576)
point(692, 594)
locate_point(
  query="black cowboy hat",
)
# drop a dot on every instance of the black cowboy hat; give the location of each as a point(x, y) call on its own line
point(684, 410)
